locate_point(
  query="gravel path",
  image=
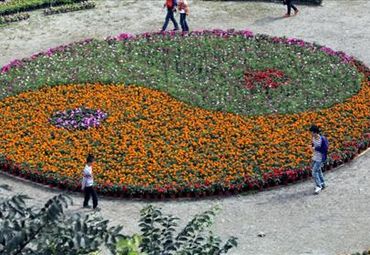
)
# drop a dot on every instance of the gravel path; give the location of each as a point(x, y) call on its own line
point(294, 221)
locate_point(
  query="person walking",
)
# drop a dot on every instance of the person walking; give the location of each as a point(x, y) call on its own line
point(171, 8)
point(88, 184)
point(183, 7)
point(289, 6)
point(320, 147)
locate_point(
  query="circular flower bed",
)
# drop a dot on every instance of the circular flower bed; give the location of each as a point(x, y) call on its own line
point(199, 126)
point(79, 118)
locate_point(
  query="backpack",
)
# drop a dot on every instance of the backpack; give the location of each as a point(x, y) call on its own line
point(324, 148)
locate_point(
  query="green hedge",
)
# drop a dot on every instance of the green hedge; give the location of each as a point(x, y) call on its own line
point(15, 6)
point(70, 8)
point(13, 18)
point(310, 2)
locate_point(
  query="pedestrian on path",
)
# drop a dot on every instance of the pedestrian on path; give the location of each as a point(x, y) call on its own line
point(289, 6)
point(171, 8)
point(184, 11)
point(320, 147)
point(88, 184)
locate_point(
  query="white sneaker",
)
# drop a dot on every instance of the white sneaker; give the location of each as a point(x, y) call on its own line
point(317, 190)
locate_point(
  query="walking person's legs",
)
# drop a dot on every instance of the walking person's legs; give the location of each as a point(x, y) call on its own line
point(182, 21)
point(291, 6)
point(288, 6)
point(294, 8)
point(87, 192)
point(94, 198)
point(167, 19)
point(316, 169)
point(321, 177)
point(174, 21)
point(186, 24)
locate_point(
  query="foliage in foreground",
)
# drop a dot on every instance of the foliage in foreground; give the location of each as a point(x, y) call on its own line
point(50, 230)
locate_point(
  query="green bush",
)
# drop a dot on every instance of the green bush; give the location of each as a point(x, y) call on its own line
point(70, 8)
point(25, 230)
point(13, 18)
point(50, 231)
point(15, 6)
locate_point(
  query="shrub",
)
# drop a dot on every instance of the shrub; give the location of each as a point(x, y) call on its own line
point(15, 6)
point(49, 230)
point(25, 230)
point(69, 8)
point(159, 237)
point(13, 18)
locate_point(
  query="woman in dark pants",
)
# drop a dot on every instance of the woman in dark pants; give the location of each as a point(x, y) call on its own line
point(184, 11)
point(289, 6)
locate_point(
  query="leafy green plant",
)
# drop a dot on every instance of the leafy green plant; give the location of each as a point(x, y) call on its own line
point(24, 230)
point(13, 18)
point(159, 234)
point(50, 231)
point(70, 8)
point(14, 6)
point(129, 246)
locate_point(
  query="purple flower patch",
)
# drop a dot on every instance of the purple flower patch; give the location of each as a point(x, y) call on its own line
point(80, 118)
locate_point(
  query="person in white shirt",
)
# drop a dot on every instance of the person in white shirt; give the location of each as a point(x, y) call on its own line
point(88, 183)
point(183, 7)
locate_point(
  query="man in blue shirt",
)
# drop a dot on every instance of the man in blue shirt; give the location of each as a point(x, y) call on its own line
point(320, 150)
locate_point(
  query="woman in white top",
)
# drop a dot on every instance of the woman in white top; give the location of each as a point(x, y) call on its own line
point(88, 182)
point(183, 7)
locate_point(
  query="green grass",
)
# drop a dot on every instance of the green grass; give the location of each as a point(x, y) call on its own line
point(205, 71)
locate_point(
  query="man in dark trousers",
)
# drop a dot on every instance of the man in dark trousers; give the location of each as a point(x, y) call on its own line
point(88, 182)
point(171, 8)
point(289, 6)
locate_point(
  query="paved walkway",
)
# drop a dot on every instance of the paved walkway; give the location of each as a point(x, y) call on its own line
point(294, 221)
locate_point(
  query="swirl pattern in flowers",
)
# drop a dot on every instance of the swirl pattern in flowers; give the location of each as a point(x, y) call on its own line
point(153, 138)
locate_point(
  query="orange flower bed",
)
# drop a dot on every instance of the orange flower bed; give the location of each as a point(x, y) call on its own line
point(153, 141)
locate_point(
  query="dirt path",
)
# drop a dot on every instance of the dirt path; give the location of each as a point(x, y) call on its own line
point(294, 221)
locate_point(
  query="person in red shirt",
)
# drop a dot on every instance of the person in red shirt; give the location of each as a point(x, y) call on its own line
point(171, 8)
